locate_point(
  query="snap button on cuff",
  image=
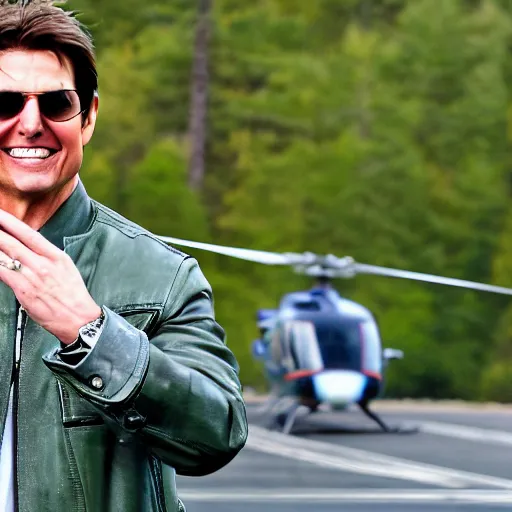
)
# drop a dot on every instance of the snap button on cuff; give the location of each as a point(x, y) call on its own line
point(97, 382)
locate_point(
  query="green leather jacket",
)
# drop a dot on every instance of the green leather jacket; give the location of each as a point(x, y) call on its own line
point(170, 401)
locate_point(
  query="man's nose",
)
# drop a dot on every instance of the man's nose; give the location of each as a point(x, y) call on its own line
point(30, 122)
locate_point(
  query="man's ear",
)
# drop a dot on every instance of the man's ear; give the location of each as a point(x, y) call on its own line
point(89, 122)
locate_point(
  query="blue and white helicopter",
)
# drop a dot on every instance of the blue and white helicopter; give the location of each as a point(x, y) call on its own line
point(317, 347)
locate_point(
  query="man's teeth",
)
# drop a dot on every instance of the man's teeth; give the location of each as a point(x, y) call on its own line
point(29, 152)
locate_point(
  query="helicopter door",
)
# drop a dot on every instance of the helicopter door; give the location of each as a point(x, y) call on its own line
point(371, 355)
point(276, 352)
point(303, 350)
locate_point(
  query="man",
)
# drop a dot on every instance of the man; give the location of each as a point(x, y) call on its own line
point(114, 374)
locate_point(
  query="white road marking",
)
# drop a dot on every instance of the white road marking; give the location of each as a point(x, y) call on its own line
point(348, 496)
point(364, 462)
point(467, 433)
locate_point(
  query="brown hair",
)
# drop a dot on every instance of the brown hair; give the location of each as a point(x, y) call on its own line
point(40, 25)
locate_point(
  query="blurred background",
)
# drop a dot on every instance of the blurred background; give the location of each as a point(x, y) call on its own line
point(378, 129)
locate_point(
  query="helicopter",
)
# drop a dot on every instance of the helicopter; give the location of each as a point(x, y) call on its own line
point(319, 348)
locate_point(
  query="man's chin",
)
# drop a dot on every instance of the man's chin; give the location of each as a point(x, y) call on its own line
point(35, 184)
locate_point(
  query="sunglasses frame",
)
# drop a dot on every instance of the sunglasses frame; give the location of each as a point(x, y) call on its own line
point(26, 95)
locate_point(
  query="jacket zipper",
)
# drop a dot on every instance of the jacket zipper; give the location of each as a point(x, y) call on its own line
point(156, 471)
point(20, 324)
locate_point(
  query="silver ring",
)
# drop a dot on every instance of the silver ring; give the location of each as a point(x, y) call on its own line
point(15, 265)
point(11, 265)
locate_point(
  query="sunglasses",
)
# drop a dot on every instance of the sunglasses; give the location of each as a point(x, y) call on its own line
point(58, 106)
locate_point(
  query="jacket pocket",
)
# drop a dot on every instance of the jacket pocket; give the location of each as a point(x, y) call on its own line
point(76, 412)
point(143, 318)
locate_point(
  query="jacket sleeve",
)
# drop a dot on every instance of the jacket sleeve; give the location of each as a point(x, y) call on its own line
point(179, 393)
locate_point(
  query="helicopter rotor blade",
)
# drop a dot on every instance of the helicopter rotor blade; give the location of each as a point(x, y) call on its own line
point(362, 268)
point(330, 265)
point(267, 258)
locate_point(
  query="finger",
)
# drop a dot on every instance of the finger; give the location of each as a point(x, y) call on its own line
point(6, 261)
point(27, 236)
point(10, 271)
point(22, 282)
point(14, 249)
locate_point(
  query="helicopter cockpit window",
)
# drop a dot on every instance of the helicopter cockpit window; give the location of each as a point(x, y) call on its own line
point(340, 345)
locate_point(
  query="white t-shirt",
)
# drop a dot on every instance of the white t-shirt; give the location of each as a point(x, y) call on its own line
point(6, 469)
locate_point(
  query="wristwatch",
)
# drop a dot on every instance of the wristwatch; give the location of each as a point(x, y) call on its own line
point(90, 332)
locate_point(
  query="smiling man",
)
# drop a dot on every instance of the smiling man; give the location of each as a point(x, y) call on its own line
point(114, 374)
point(38, 160)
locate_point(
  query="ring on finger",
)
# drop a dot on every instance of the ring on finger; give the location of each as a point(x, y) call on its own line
point(15, 265)
point(12, 264)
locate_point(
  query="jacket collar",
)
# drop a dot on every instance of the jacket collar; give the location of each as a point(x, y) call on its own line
point(73, 217)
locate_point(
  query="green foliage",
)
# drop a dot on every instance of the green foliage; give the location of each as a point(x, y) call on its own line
point(496, 382)
point(159, 197)
point(375, 128)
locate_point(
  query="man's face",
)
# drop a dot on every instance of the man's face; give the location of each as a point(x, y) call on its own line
point(39, 71)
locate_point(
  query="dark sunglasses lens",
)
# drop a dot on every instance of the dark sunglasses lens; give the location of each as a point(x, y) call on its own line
point(11, 104)
point(59, 105)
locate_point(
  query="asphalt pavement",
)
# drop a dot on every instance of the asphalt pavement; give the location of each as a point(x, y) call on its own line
point(459, 459)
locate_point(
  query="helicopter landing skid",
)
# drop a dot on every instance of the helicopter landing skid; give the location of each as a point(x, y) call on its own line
point(290, 418)
point(384, 426)
point(271, 404)
point(284, 421)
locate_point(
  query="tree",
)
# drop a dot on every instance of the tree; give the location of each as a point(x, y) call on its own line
point(199, 95)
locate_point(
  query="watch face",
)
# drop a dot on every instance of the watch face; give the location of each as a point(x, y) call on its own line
point(91, 330)
point(88, 332)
